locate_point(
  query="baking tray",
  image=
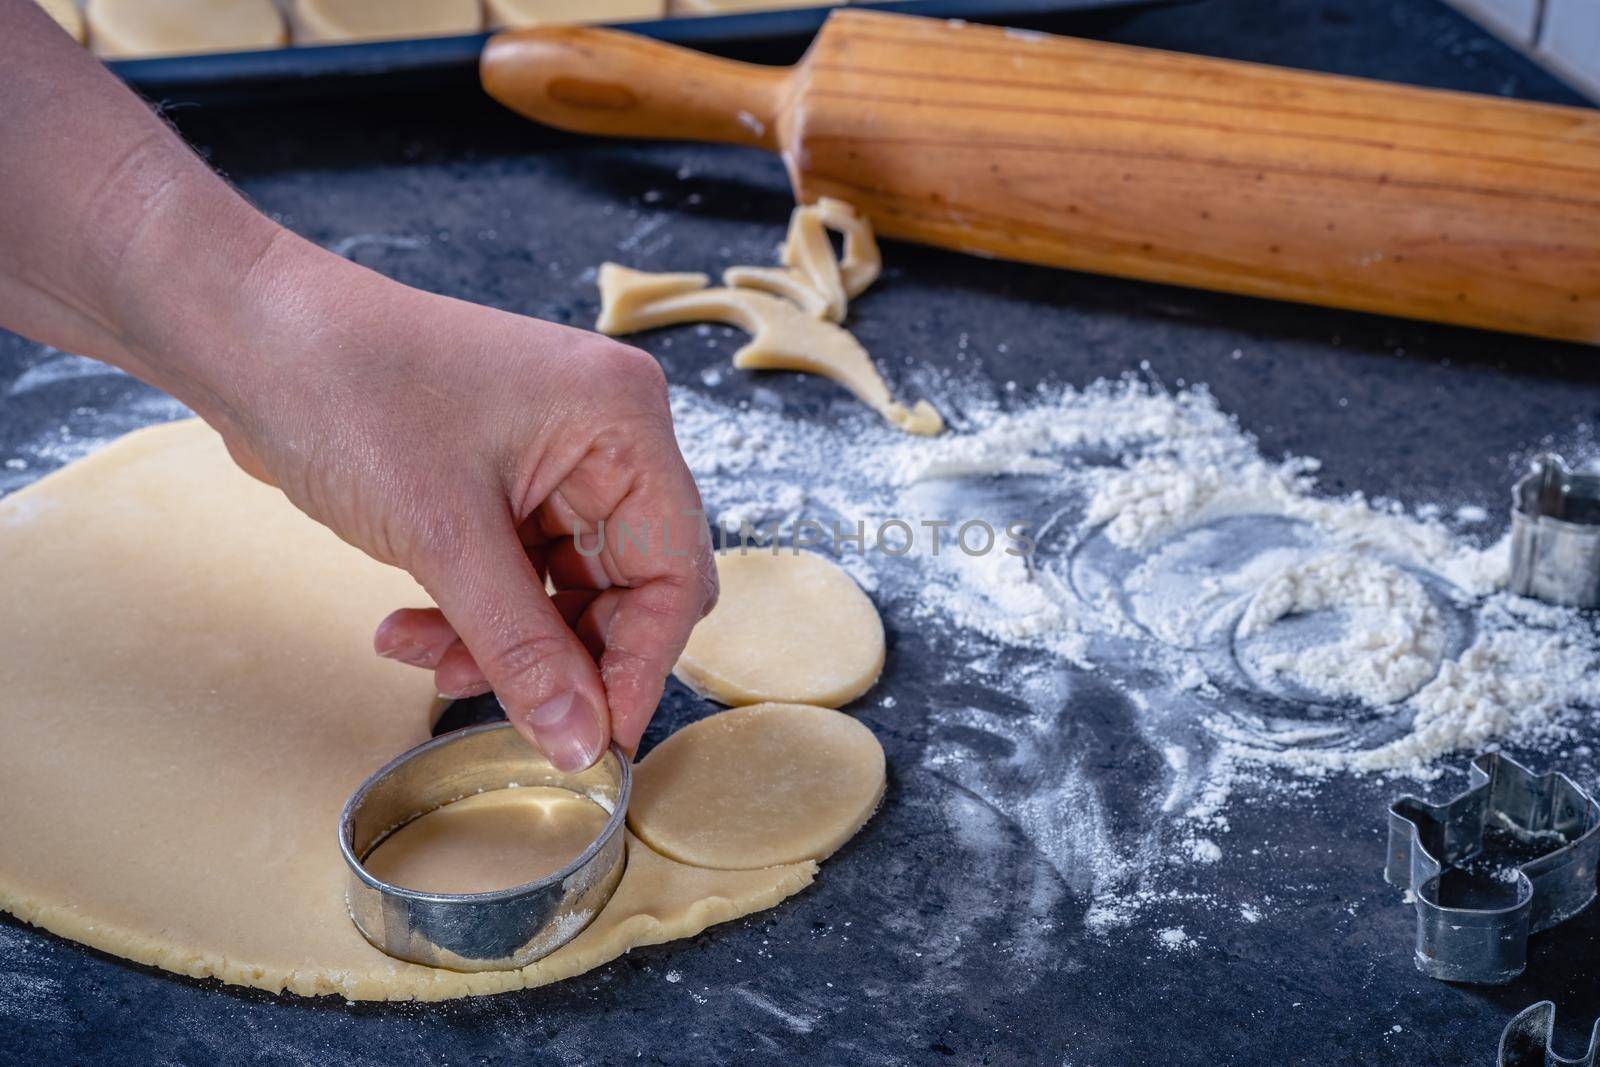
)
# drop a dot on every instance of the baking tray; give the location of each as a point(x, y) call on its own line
point(450, 62)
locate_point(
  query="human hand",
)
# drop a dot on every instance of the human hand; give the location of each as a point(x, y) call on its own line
point(469, 446)
point(463, 444)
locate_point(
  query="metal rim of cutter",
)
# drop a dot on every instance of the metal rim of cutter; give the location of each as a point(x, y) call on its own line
point(1555, 534)
point(1529, 1040)
point(501, 930)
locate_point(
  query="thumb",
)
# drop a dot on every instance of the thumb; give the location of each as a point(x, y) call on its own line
point(544, 677)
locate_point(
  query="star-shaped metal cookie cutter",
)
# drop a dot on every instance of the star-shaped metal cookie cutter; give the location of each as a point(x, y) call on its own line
point(1544, 813)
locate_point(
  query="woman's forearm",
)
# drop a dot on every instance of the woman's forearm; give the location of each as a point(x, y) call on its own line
point(466, 445)
point(116, 240)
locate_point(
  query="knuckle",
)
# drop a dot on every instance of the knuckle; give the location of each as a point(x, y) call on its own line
point(528, 660)
point(636, 367)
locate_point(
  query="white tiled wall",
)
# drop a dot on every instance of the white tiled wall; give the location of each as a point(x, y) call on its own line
point(1562, 34)
point(1515, 20)
point(1570, 41)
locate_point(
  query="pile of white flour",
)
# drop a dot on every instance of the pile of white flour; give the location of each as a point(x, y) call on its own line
point(1253, 626)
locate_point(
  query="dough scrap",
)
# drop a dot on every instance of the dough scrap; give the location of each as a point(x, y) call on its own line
point(131, 29)
point(489, 841)
point(757, 786)
point(67, 16)
point(809, 251)
point(187, 696)
point(812, 276)
point(513, 13)
point(783, 336)
point(789, 626)
point(781, 281)
point(375, 20)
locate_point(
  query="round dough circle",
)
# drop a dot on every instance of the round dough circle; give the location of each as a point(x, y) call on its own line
point(132, 28)
point(756, 787)
point(372, 20)
point(789, 626)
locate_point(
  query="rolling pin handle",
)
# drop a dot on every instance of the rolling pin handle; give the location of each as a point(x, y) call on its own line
point(604, 82)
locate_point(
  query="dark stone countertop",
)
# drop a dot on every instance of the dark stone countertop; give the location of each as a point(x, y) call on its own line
point(912, 947)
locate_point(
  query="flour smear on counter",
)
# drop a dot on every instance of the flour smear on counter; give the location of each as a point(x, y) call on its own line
point(1251, 633)
point(1262, 634)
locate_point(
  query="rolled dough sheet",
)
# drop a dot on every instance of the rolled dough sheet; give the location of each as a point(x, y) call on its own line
point(187, 696)
point(511, 13)
point(752, 787)
point(373, 20)
point(788, 626)
point(125, 29)
point(489, 841)
point(67, 16)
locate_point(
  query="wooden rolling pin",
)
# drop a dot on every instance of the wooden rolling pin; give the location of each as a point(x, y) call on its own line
point(1445, 206)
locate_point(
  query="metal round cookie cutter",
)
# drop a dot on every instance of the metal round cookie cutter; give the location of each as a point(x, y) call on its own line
point(497, 931)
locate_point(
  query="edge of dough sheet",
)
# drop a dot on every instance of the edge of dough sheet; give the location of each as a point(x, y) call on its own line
point(108, 452)
point(411, 982)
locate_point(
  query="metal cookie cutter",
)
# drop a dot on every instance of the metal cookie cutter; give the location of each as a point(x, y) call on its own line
point(1526, 1040)
point(505, 929)
point(1467, 931)
point(1555, 534)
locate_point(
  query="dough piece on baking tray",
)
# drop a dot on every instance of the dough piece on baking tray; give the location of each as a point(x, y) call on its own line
point(67, 16)
point(326, 21)
point(509, 14)
point(133, 29)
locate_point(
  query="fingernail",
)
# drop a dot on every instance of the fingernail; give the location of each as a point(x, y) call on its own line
point(476, 689)
point(406, 652)
point(567, 730)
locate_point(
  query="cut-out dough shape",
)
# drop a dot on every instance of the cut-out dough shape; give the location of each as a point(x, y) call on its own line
point(862, 262)
point(187, 695)
point(67, 16)
point(808, 252)
point(781, 281)
point(783, 336)
point(789, 627)
point(812, 276)
point(513, 13)
point(127, 29)
point(376, 20)
point(757, 786)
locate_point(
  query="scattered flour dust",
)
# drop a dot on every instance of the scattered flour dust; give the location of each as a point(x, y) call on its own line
point(1145, 576)
point(1174, 939)
point(1249, 628)
point(1389, 652)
